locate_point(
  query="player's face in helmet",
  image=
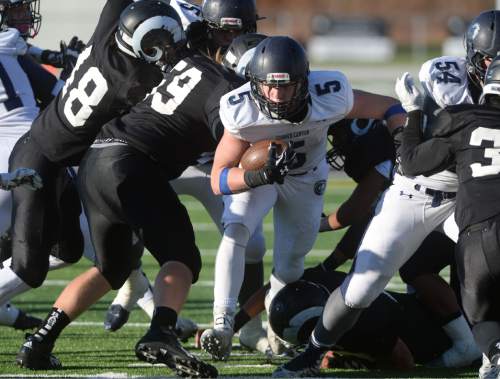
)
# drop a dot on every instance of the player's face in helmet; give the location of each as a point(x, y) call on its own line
point(223, 37)
point(22, 15)
point(278, 73)
point(278, 93)
point(482, 42)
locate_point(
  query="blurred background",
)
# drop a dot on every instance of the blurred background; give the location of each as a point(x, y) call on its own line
point(370, 41)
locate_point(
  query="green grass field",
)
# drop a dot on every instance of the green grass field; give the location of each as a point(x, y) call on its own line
point(86, 350)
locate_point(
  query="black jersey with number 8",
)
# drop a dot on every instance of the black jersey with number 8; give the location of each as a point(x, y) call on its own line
point(104, 84)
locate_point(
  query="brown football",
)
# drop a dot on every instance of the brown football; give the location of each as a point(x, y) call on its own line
point(255, 156)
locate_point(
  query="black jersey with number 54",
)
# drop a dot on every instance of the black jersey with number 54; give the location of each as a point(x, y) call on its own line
point(179, 119)
point(104, 84)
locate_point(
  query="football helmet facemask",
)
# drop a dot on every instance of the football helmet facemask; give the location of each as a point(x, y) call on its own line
point(491, 81)
point(279, 61)
point(295, 309)
point(482, 41)
point(150, 30)
point(24, 15)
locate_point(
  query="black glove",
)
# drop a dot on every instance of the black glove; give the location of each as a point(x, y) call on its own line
point(65, 58)
point(275, 169)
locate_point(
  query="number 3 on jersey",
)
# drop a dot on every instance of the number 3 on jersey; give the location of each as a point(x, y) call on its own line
point(89, 92)
point(178, 89)
point(477, 137)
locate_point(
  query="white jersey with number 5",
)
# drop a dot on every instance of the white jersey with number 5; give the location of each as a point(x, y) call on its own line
point(331, 100)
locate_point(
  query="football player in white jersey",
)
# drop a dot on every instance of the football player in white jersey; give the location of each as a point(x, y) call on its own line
point(408, 211)
point(283, 100)
point(24, 86)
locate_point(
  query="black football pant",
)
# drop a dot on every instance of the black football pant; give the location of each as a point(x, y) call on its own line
point(478, 266)
point(124, 191)
point(45, 221)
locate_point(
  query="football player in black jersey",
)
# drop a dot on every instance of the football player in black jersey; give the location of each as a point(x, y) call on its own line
point(467, 135)
point(124, 184)
point(116, 70)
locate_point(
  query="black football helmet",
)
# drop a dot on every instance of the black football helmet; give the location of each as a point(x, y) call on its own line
point(341, 137)
point(233, 57)
point(29, 24)
point(230, 15)
point(491, 81)
point(279, 61)
point(148, 28)
point(482, 40)
point(295, 309)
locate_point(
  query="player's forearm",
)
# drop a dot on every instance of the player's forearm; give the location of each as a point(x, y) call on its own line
point(419, 157)
point(228, 180)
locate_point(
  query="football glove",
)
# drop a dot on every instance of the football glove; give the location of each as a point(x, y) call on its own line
point(275, 169)
point(409, 94)
point(65, 58)
point(21, 177)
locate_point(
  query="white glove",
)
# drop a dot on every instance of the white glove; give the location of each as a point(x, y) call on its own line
point(21, 177)
point(409, 94)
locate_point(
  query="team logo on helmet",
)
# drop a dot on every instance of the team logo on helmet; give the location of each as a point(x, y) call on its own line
point(231, 22)
point(280, 77)
point(475, 30)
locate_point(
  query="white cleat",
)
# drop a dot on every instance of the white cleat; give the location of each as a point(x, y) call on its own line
point(488, 370)
point(218, 341)
point(459, 355)
point(254, 337)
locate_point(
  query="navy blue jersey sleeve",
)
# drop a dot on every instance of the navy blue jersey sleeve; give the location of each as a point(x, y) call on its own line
point(44, 84)
point(419, 157)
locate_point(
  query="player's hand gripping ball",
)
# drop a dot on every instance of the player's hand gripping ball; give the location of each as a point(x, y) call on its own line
point(256, 156)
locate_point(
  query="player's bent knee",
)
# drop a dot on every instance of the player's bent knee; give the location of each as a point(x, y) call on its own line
point(33, 278)
point(288, 274)
point(237, 234)
point(362, 290)
point(256, 249)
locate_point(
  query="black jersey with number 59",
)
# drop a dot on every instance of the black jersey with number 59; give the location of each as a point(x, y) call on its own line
point(104, 84)
point(179, 119)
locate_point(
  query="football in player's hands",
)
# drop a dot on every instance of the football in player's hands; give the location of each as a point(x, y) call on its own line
point(256, 156)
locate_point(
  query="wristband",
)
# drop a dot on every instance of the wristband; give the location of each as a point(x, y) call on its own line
point(394, 110)
point(223, 186)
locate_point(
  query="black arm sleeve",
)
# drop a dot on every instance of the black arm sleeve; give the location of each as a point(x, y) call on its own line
point(42, 81)
point(429, 157)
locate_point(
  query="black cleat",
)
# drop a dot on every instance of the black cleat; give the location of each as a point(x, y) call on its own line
point(25, 321)
point(306, 364)
point(36, 355)
point(116, 317)
point(164, 347)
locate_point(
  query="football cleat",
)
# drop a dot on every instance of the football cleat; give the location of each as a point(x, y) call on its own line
point(164, 347)
point(116, 317)
point(488, 370)
point(306, 364)
point(459, 355)
point(217, 343)
point(25, 321)
point(36, 355)
point(254, 338)
point(185, 328)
